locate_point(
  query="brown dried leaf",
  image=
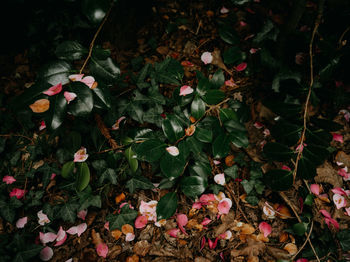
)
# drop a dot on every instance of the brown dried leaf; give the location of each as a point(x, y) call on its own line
point(343, 158)
point(127, 229)
point(253, 249)
point(278, 253)
point(327, 174)
point(40, 106)
point(217, 60)
point(163, 50)
point(133, 258)
point(38, 164)
point(116, 234)
point(291, 248)
point(142, 248)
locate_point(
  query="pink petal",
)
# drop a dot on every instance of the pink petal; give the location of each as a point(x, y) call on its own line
point(69, 96)
point(197, 205)
point(284, 167)
point(300, 148)
point(42, 125)
point(18, 193)
point(315, 189)
point(269, 211)
point(325, 213)
point(102, 250)
point(129, 237)
point(212, 245)
point(332, 221)
point(186, 90)
point(206, 221)
point(339, 190)
point(43, 219)
point(80, 155)
point(203, 241)
point(141, 222)
point(216, 162)
point(258, 125)
point(302, 260)
point(47, 237)
point(8, 179)
point(116, 125)
point(72, 230)
point(53, 90)
point(220, 179)
point(224, 10)
point(338, 137)
point(106, 225)
point(88, 80)
point(173, 150)
point(227, 235)
point(339, 201)
point(81, 229)
point(222, 256)
point(206, 58)
point(46, 254)
point(173, 232)
point(347, 211)
point(182, 221)
point(242, 23)
point(53, 175)
point(253, 50)
point(266, 132)
point(206, 198)
point(21, 222)
point(61, 237)
point(241, 67)
point(76, 77)
point(82, 214)
point(224, 206)
point(265, 228)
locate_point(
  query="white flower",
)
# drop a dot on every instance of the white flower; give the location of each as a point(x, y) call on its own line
point(207, 57)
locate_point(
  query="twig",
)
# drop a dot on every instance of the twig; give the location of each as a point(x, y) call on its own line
point(229, 189)
point(94, 38)
point(307, 239)
point(105, 132)
point(302, 138)
point(340, 41)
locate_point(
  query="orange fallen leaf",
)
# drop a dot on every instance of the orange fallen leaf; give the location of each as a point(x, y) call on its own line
point(94, 85)
point(120, 198)
point(182, 242)
point(116, 233)
point(133, 258)
point(190, 130)
point(291, 248)
point(40, 106)
point(262, 238)
point(127, 229)
point(283, 237)
point(253, 259)
point(229, 160)
point(210, 13)
point(247, 229)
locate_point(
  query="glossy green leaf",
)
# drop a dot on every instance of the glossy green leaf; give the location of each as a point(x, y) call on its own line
point(136, 112)
point(228, 35)
point(239, 139)
point(68, 169)
point(234, 126)
point(105, 69)
point(326, 124)
point(138, 182)
point(172, 166)
point(213, 97)
point(221, 146)
point(197, 107)
point(167, 206)
point(95, 10)
point(132, 159)
point(234, 55)
point(201, 169)
point(277, 152)
point(204, 135)
point(70, 50)
point(300, 228)
point(286, 133)
point(193, 186)
point(228, 114)
point(278, 179)
point(344, 239)
point(287, 110)
point(166, 183)
point(102, 97)
point(306, 168)
point(68, 212)
point(143, 74)
point(57, 112)
point(110, 175)
point(83, 104)
point(318, 137)
point(218, 79)
point(150, 150)
point(83, 176)
point(309, 199)
point(55, 72)
point(316, 154)
point(172, 128)
point(31, 250)
point(127, 216)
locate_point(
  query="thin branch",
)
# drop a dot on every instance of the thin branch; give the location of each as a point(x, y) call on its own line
point(340, 41)
point(307, 239)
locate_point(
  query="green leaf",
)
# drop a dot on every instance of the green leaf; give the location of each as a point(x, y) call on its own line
point(70, 50)
point(172, 128)
point(344, 239)
point(228, 35)
point(197, 108)
point(277, 152)
point(68, 212)
point(232, 171)
point(105, 69)
point(221, 146)
point(287, 110)
point(285, 76)
point(55, 72)
point(316, 154)
point(6, 211)
point(136, 112)
point(57, 113)
point(193, 186)
point(213, 97)
point(102, 97)
point(132, 160)
point(234, 55)
point(234, 126)
point(279, 179)
point(31, 250)
point(309, 199)
point(228, 114)
point(150, 150)
point(300, 228)
point(143, 74)
point(326, 124)
point(68, 169)
point(95, 10)
point(127, 216)
point(83, 104)
point(167, 206)
point(194, 145)
point(83, 176)
point(110, 175)
point(137, 182)
point(201, 169)
point(203, 135)
point(239, 139)
point(248, 186)
point(306, 168)
point(218, 79)
point(286, 133)
point(166, 183)
point(172, 166)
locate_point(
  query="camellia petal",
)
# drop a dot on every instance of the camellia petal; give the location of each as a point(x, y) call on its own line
point(18, 193)
point(53, 90)
point(206, 221)
point(338, 137)
point(182, 221)
point(42, 125)
point(173, 150)
point(8, 179)
point(61, 237)
point(81, 229)
point(47, 237)
point(173, 232)
point(265, 228)
point(220, 179)
point(21, 222)
point(89, 81)
point(117, 123)
point(69, 96)
point(207, 58)
point(339, 190)
point(43, 219)
point(190, 130)
point(80, 155)
point(186, 90)
point(82, 214)
point(197, 205)
point(302, 260)
point(325, 213)
point(129, 237)
point(224, 10)
point(141, 221)
point(347, 211)
point(268, 211)
point(203, 241)
point(76, 77)
point(224, 206)
point(205, 199)
point(258, 125)
point(241, 67)
point(339, 201)
point(40, 106)
point(315, 189)
point(102, 250)
point(46, 254)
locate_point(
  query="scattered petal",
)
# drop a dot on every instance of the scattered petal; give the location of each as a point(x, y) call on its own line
point(284, 167)
point(141, 222)
point(347, 211)
point(299, 58)
point(346, 114)
point(206, 221)
point(76, 77)
point(338, 137)
point(266, 132)
point(315, 189)
point(18, 193)
point(116, 233)
point(253, 50)
point(258, 125)
point(230, 83)
point(220, 179)
point(149, 209)
point(265, 228)
point(226, 235)
point(302, 260)
point(190, 130)
point(129, 237)
point(46, 254)
point(242, 23)
point(43, 219)
point(80, 155)
point(89, 81)
point(339, 190)
point(21, 222)
point(42, 125)
point(344, 173)
point(173, 232)
point(102, 250)
point(82, 214)
point(187, 64)
point(52, 177)
point(40, 106)
point(300, 148)
point(8, 179)
point(186, 90)
point(197, 205)
point(203, 241)
point(212, 245)
point(224, 206)
point(61, 237)
point(241, 67)
point(53, 90)
point(207, 58)
point(269, 211)
point(339, 201)
point(173, 150)
point(69, 96)
point(106, 225)
point(79, 229)
point(224, 10)
point(117, 123)
point(205, 199)
point(216, 162)
point(182, 221)
point(47, 237)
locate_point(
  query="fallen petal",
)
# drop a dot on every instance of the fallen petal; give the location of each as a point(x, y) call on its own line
point(173, 232)
point(43, 219)
point(338, 137)
point(81, 229)
point(207, 58)
point(80, 155)
point(325, 213)
point(224, 10)
point(182, 221)
point(203, 241)
point(186, 90)
point(220, 179)
point(53, 90)
point(102, 250)
point(173, 150)
point(129, 237)
point(241, 67)
point(21, 222)
point(141, 222)
point(61, 237)
point(88, 80)
point(42, 125)
point(76, 77)
point(82, 214)
point(339, 201)
point(206, 221)
point(224, 206)
point(69, 96)
point(47, 237)
point(8, 179)
point(265, 228)
point(315, 189)
point(46, 254)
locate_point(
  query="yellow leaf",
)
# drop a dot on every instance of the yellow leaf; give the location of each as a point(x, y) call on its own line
point(40, 106)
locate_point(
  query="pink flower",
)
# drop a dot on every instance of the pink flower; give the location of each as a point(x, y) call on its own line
point(224, 10)
point(206, 221)
point(53, 90)
point(47, 237)
point(258, 125)
point(141, 221)
point(43, 219)
point(338, 137)
point(18, 193)
point(8, 180)
point(265, 228)
point(46, 254)
point(42, 125)
point(117, 123)
point(339, 201)
point(186, 90)
point(21, 222)
point(173, 150)
point(224, 206)
point(102, 250)
point(241, 67)
point(220, 179)
point(230, 83)
point(79, 229)
point(207, 58)
point(173, 232)
point(129, 237)
point(315, 189)
point(328, 219)
point(80, 155)
point(197, 205)
point(82, 214)
point(182, 221)
point(61, 237)
point(69, 96)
